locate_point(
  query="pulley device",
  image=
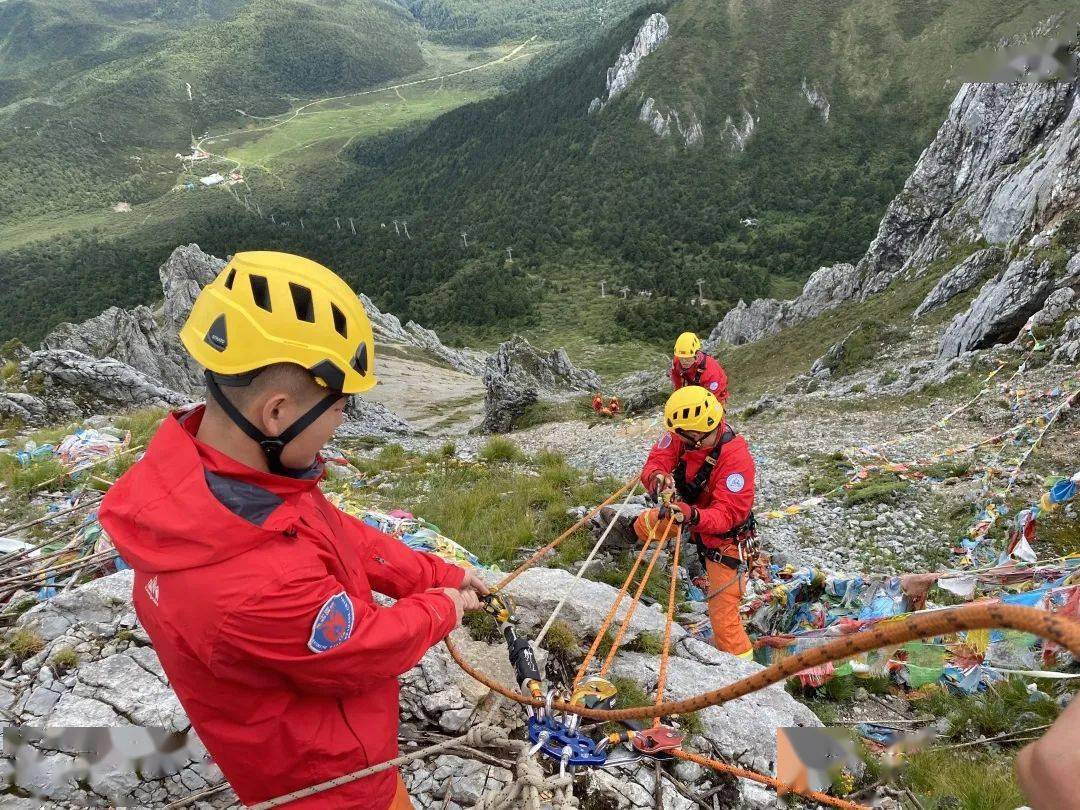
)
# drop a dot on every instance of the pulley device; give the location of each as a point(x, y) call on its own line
point(556, 734)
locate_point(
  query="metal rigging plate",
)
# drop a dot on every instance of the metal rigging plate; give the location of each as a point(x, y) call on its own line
point(583, 748)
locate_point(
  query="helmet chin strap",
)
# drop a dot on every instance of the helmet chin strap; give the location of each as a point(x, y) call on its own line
point(696, 443)
point(272, 446)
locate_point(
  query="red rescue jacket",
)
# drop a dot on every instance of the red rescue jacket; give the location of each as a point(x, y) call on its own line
point(257, 595)
point(727, 499)
point(707, 372)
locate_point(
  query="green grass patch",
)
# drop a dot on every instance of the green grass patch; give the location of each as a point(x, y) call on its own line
point(482, 626)
point(24, 644)
point(1003, 707)
point(142, 424)
point(646, 642)
point(63, 660)
point(27, 479)
point(876, 489)
point(500, 449)
point(827, 473)
point(960, 780)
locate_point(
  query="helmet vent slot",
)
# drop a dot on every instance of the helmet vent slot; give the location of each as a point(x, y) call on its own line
point(301, 298)
point(260, 292)
point(340, 324)
point(230, 279)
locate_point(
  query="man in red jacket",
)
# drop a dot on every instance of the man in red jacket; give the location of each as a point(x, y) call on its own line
point(255, 590)
point(708, 471)
point(691, 366)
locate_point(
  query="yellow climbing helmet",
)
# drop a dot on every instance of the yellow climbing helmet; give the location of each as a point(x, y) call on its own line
point(693, 408)
point(267, 307)
point(687, 345)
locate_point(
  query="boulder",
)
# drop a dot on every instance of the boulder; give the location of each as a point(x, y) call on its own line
point(187, 270)
point(643, 390)
point(24, 408)
point(1001, 308)
point(742, 731)
point(960, 279)
point(363, 417)
point(518, 375)
point(1057, 304)
point(1068, 350)
point(538, 590)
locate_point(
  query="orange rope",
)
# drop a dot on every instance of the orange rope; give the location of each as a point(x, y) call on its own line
point(539, 555)
point(927, 624)
point(664, 654)
point(611, 614)
point(779, 787)
point(625, 624)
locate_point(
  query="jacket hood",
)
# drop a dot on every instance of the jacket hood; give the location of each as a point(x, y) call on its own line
point(162, 515)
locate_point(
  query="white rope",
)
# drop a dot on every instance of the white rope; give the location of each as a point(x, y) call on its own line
point(584, 567)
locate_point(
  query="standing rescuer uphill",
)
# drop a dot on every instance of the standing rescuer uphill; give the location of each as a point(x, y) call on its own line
point(704, 474)
point(691, 366)
point(255, 590)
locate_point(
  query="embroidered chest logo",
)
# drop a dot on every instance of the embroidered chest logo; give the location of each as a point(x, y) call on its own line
point(152, 590)
point(333, 624)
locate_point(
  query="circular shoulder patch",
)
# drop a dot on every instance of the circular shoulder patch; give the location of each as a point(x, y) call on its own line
point(713, 386)
point(665, 441)
point(735, 482)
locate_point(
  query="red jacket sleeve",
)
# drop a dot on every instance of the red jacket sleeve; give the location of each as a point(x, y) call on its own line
point(714, 374)
point(266, 639)
point(676, 377)
point(399, 571)
point(662, 458)
point(731, 493)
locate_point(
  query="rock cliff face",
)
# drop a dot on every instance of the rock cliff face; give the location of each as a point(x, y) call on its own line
point(825, 289)
point(1004, 165)
point(1003, 171)
point(652, 34)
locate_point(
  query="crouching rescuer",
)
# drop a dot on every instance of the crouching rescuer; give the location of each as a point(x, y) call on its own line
point(255, 590)
point(702, 473)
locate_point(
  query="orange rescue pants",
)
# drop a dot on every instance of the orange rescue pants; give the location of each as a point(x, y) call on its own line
point(401, 798)
point(728, 632)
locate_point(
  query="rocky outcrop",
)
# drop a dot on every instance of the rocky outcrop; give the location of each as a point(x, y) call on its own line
point(1001, 308)
point(518, 375)
point(960, 279)
point(652, 34)
point(98, 384)
point(816, 99)
point(738, 133)
point(132, 337)
point(643, 390)
point(1068, 350)
point(1004, 163)
point(144, 339)
point(665, 121)
point(827, 288)
point(388, 329)
point(364, 418)
point(117, 684)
